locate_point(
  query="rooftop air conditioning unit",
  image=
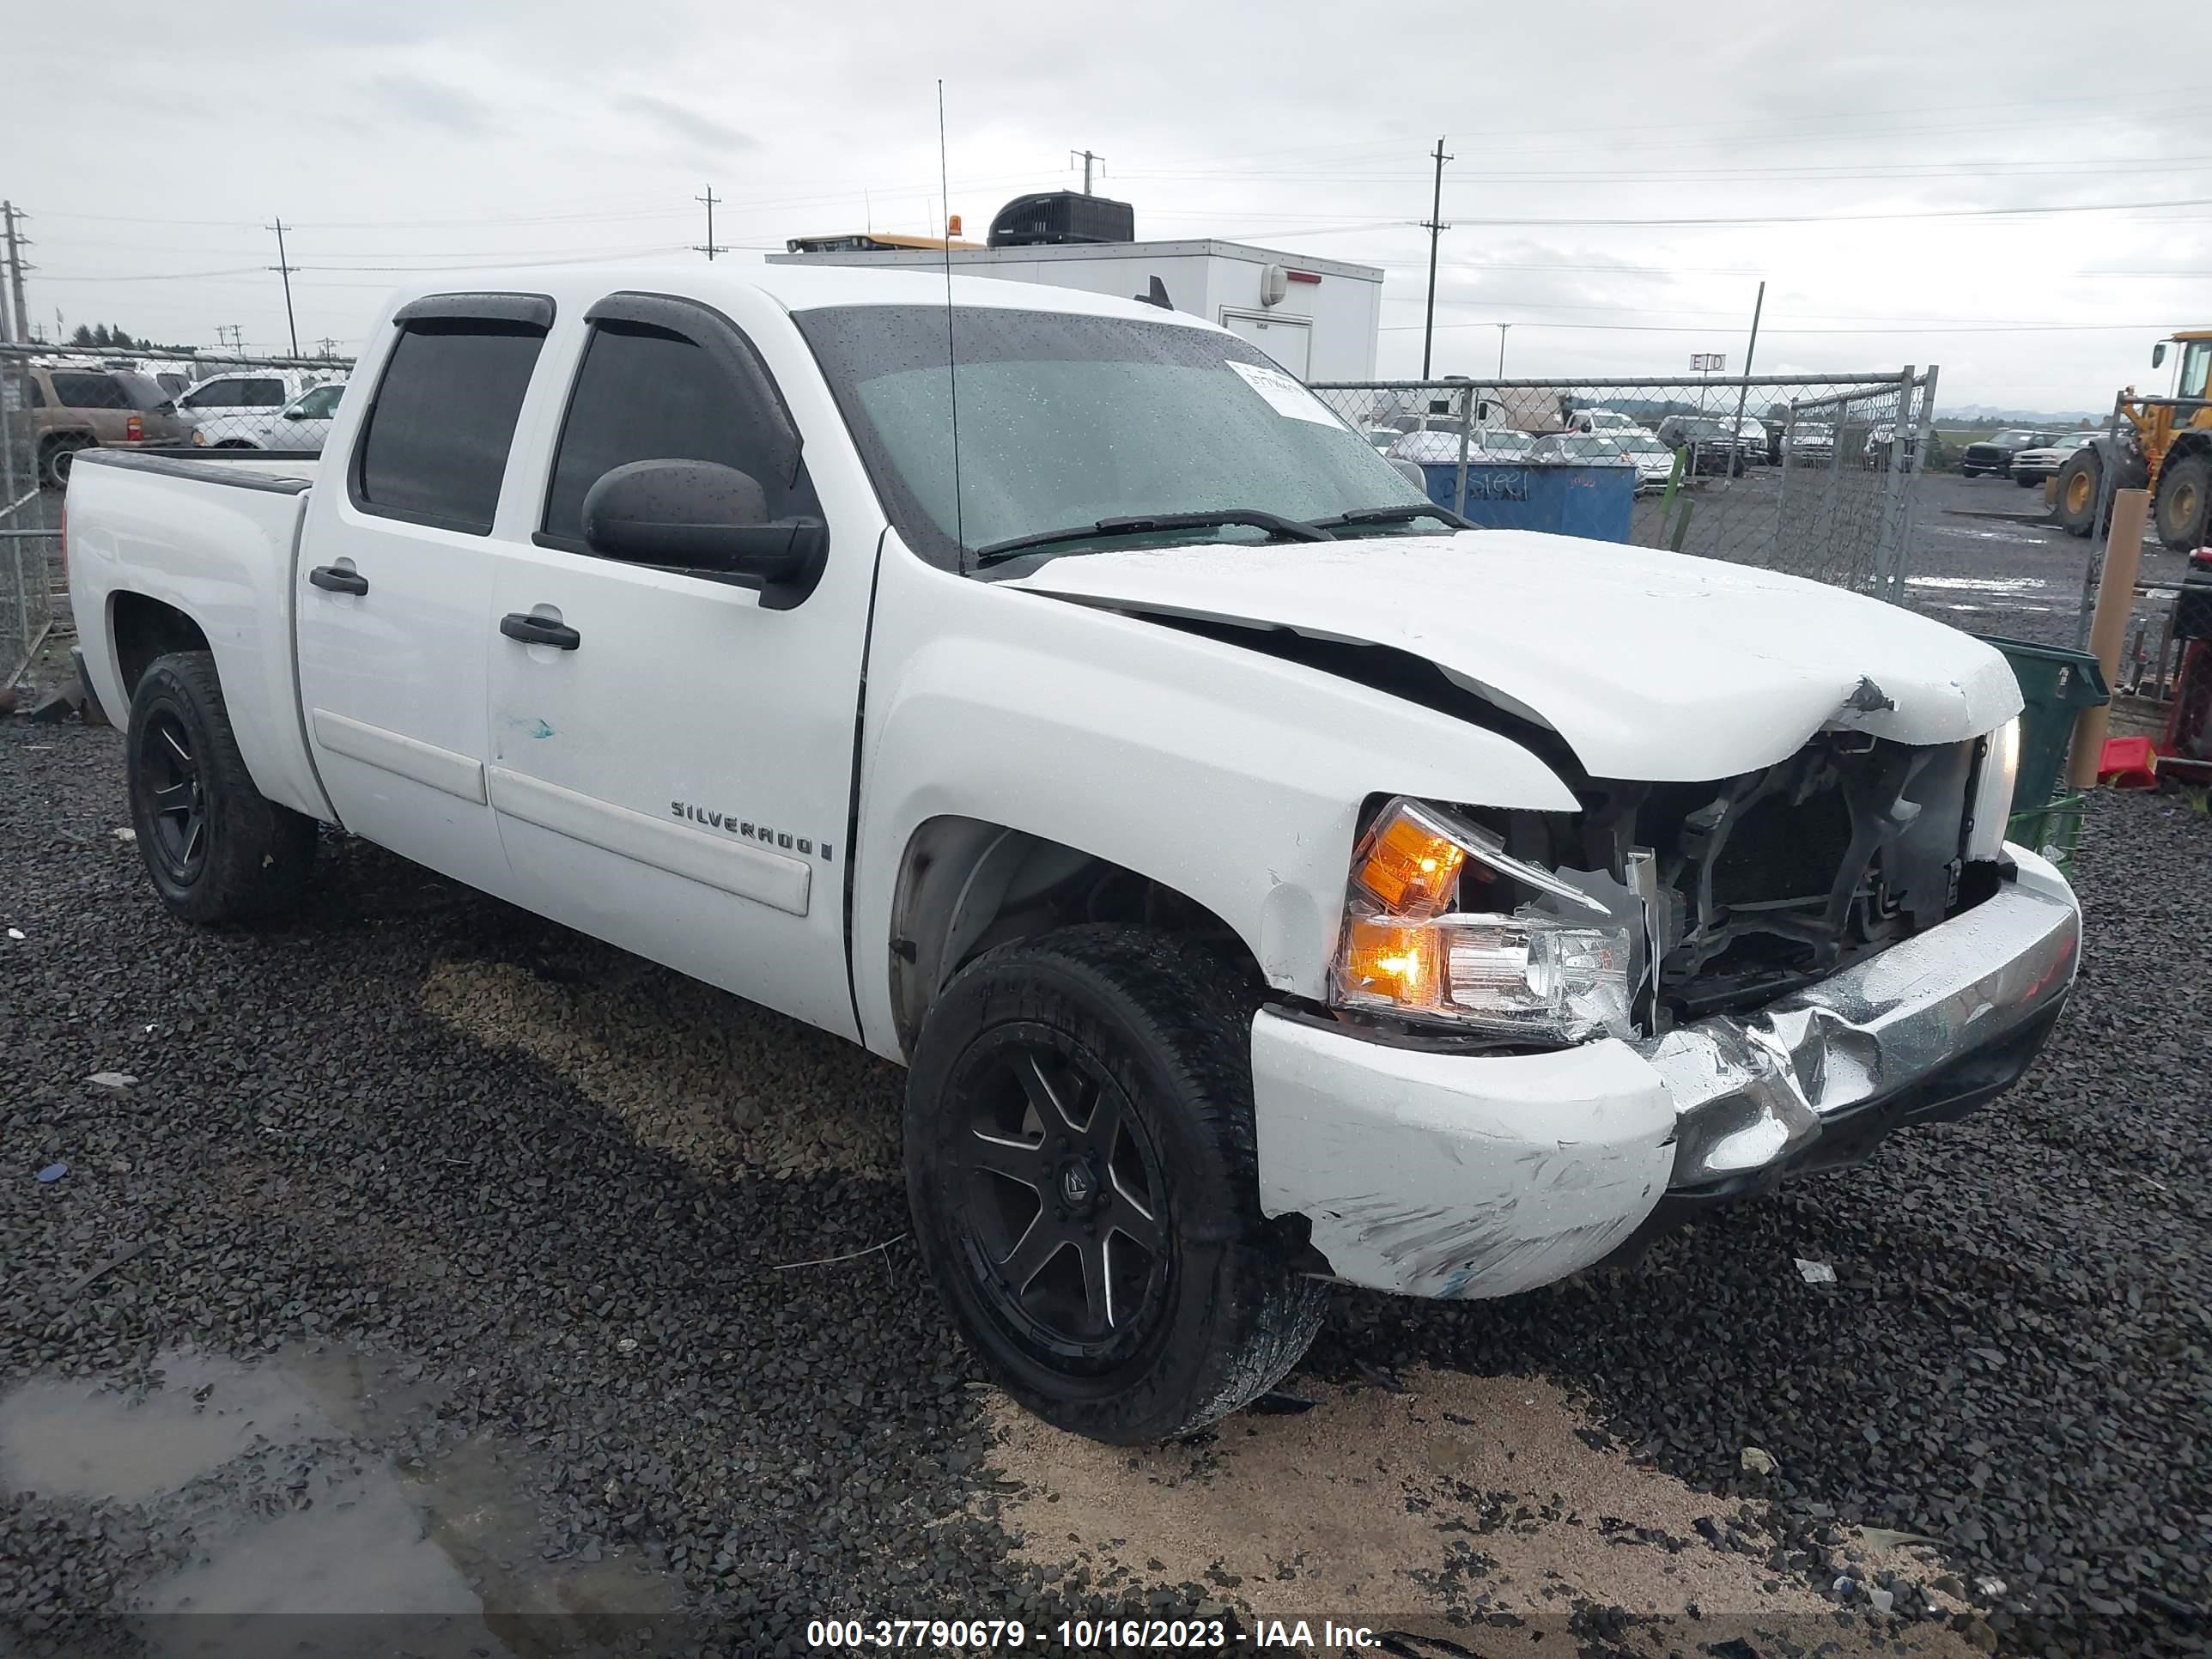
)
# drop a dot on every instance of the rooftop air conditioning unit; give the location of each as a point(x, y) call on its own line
point(1062, 217)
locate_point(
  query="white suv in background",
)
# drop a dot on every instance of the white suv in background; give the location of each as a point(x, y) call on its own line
point(298, 428)
point(234, 410)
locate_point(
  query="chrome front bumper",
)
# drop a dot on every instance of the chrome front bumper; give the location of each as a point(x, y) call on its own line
point(1751, 1095)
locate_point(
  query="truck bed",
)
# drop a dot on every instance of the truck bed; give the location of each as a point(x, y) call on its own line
point(214, 540)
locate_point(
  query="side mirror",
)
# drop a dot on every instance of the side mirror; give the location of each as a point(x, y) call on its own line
point(2158, 354)
point(297, 415)
point(700, 516)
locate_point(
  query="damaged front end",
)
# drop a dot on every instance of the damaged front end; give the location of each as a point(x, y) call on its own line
point(1748, 978)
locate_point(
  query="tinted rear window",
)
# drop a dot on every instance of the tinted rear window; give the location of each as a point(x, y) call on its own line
point(435, 446)
point(79, 390)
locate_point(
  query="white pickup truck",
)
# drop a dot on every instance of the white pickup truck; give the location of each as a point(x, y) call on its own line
point(1264, 880)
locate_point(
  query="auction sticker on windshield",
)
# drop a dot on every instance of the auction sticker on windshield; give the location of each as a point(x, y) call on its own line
point(1283, 395)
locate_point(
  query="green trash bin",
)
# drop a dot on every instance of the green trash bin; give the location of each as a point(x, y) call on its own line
point(2056, 685)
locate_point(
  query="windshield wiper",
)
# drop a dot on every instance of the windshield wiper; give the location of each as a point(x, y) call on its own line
point(1363, 515)
point(1296, 530)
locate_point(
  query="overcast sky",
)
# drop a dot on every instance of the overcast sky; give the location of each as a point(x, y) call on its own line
point(151, 143)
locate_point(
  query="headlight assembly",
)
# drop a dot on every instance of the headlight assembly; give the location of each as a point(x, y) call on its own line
point(1531, 975)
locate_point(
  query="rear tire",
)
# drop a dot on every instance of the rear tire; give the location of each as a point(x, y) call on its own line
point(218, 851)
point(2081, 482)
point(2185, 495)
point(1081, 1167)
point(55, 457)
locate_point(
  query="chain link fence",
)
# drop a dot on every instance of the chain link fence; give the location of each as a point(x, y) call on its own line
point(57, 401)
point(1810, 475)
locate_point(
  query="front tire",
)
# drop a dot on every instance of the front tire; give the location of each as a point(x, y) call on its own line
point(1081, 1167)
point(2185, 495)
point(218, 851)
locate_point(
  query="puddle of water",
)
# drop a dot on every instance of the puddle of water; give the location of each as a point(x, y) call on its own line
point(305, 1538)
point(1977, 584)
point(72, 1438)
point(361, 1546)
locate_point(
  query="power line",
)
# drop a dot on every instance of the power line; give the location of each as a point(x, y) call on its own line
point(1707, 328)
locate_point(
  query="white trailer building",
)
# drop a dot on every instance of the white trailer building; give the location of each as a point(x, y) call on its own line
point(1317, 318)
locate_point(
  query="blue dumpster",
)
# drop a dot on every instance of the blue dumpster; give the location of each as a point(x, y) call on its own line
point(1594, 501)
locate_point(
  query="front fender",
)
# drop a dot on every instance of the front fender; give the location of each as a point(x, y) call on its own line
point(1229, 775)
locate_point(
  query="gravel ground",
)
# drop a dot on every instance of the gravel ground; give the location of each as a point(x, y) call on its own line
point(395, 1157)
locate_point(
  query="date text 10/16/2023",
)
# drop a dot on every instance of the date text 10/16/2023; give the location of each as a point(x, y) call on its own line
point(1089, 1635)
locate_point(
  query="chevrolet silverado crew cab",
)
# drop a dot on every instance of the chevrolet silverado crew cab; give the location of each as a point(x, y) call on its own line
point(1264, 878)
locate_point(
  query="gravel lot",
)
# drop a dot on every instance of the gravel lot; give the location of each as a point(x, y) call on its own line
point(1985, 559)
point(465, 1247)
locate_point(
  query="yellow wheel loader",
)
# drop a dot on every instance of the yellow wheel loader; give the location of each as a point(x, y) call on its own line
point(2163, 445)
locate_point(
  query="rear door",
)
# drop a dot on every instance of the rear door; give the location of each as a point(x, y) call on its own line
point(394, 581)
point(678, 779)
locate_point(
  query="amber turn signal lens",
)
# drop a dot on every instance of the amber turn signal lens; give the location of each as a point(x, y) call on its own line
point(1410, 867)
point(1384, 959)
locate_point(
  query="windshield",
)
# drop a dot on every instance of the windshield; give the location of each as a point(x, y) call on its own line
point(2015, 440)
point(1067, 420)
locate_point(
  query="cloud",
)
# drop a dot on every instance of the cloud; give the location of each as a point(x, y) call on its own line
point(689, 125)
point(433, 102)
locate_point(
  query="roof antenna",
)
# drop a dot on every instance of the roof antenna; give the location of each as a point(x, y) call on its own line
point(951, 355)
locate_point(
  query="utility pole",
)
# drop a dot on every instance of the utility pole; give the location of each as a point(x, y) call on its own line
point(1502, 327)
point(285, 269)
point(229, 334)
point(329, 346)
point(1086, 158)
point(1435, 226)
point(21, 329)
point(1751, 351)
point(710, 247)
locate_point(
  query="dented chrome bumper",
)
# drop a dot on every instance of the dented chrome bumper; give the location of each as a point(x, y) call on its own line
point(1927, 1029)
point(1448, 1175)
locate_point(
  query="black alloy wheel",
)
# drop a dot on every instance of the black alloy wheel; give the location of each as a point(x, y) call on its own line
point(1083, 1172)
point(216, 849)
point(177, 798)
point(1064, 1198)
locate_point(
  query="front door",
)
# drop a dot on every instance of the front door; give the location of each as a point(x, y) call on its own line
point(394, 587)
point(672, 757)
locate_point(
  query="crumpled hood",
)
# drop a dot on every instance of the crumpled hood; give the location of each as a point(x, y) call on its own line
point(1655, 666)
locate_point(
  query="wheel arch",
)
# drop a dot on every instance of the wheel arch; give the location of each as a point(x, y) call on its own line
point(141, 628)
point(965, 884)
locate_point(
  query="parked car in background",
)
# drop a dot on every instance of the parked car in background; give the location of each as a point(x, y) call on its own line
point(80, 405)
point(1440, 446)
point(227, 410)
point(1603, 420)
point(1653, 461)
point(1714, 444)
point(2031, 467)
point(1992, 455)
point(298, 428)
